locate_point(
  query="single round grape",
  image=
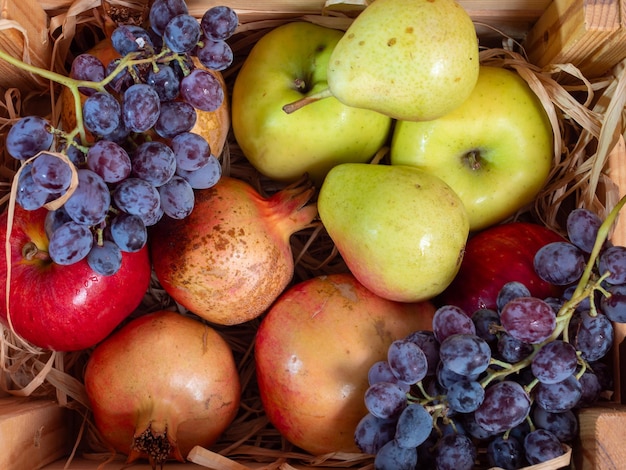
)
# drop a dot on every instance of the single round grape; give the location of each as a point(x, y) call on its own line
point(138, 197)
point(191, 150)
point(51, 173)
point(493, 416)
point(122, 80)
point(507, 454)
point(528, 319)
point(414, 426)
point(582, 228)
point(554, 362)
point(591, 389)
point(101, 113)
point(30, 195)
point(372, 433)
point(109, 160)
point(128, 232)
point(70, 243)
point(165, 82)
point(175, 118)
point(592, 335)
point(380, 371)
point(541, 445)
point(513, 350)
point(28, 136)
point(140, 107)
point(449, 320)
point(560, 396)
point(219, 22)
point(563, 425)
point(613, 260)
point(154, 217)
point(559, 263)
point(177, 198)
point(105, 259)
point(87, 67)
point(162, 11)
point(54, 219)
point(509, 291)
point(392, 456)
point(182, 33)
point(456, 452)
point(614, 306)
point(429, 345)
point(215, 54)
point(204, 177)
point(407, 361)
point(90, 201)
point(385, 400)
point(202, 90)
point(465, 354)
point(128, 38)
point(465, 396)
point(486, 321)
point(154, 161)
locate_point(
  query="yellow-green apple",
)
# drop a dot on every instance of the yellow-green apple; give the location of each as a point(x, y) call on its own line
point(495, 150)
point(287, 64)
point(313, 351)
point(400, 230)
point(62, 307)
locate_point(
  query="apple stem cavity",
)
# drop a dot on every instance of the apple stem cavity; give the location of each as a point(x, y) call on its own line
point(472, 158)
point(295, 105)
point(31, 252)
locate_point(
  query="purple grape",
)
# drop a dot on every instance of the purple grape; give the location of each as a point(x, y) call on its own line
point(128, 38)
point(465, 354)
point(128, 232)
point(109, 160)
point(70, 243)
point(176, 117)
point(385, 400)
point(511, 349)
point(582, 228)
point(28, 136)
point(165, 82)
point(101, 113)
point(177, 198)
point(559, 263)
point(554, 362)
point(456, 452)
point(380, 371)
point(90, 201)
point(154, 162)
point(162, 11)
point(138, 197)
point(372, 433)
point(613, 260)
point(105, 259)
point(506, 404)
point(182, 33)
point(140, 107)
point(215, 54)
point(507, 454)
point(413, 427)
point(204, 177)
point(541, 445)
point(30, 195)
point(614, 306)
point(219, 22)
point(429, 345)
point(528, 319)
point(54, 219)
point(202, 90)
point(51, 173)
point(87, 67)
point(449, 320)
point(592, 335)
point(407, 361)
point(465, 396)
point(563, 425)
point(392, 456)
point(447, 377)
point(560, 396)
point(509, 291)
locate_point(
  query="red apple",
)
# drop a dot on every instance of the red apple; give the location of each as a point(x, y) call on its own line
point(57, 307)
point(495, 256)
point(313, 351)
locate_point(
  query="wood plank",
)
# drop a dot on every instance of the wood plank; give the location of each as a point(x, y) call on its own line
point(589, 34)
point(602, 437)
point(33, 433)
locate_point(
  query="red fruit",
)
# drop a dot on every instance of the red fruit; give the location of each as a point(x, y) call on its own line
point(231, 257)
point(313, 351)
point(162, 384)
point(495, 256)
point(63, 308)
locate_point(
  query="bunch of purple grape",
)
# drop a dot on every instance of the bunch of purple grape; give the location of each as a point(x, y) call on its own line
point(123, 180)
point(507, 380)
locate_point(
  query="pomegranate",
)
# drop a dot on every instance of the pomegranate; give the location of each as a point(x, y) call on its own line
point(162, 384)
point(313, 351)
point(231, 258)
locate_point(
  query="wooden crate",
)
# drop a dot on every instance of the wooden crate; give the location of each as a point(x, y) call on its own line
point(589, 34)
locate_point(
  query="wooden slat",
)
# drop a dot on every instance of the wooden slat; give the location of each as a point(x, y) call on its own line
point(33, 433)
point(589, 34)
point(602, 437)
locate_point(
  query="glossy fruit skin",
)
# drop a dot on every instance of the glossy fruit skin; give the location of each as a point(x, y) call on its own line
point(288, 64)
point(64, 308)
point(313, 351)
point(165, 372)
point(495, 256)
point(230, 258)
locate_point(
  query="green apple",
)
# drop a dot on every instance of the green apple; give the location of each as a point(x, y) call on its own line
point(401, 231)
point(285, 65)
point(495, 150)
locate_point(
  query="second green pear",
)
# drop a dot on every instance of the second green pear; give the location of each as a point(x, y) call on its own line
point(409, 59)
point(401, 231)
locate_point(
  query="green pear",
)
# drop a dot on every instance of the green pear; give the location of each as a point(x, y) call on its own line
point(401, 231)
point(412, 60)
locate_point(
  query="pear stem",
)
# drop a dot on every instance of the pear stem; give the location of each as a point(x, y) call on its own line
point(294, 106)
